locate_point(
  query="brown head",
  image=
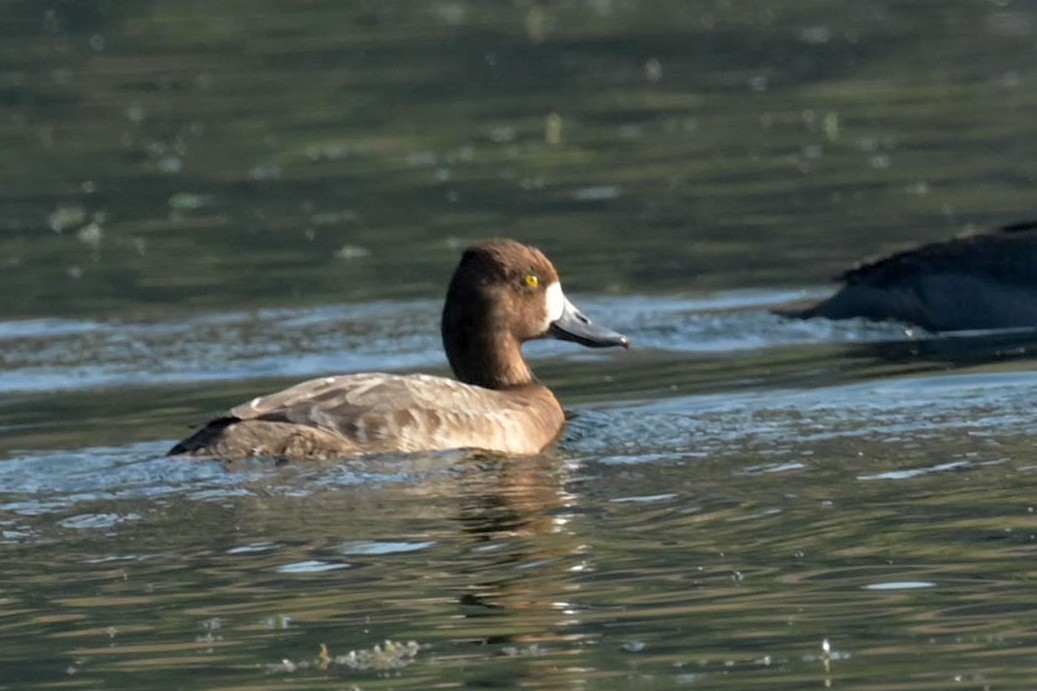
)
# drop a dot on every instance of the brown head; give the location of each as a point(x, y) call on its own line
point(504, 293)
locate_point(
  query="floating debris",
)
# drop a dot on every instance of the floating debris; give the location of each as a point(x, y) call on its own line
point(328, 218)
point(553, 129)
point(66, 218)
point(390, 655)
point(920, 188)
point(169, 164)
point(502, 134)
point(268, 171)
point(465, 153)
point(653, 70)
point(879, 161)
point(210, 631)
point(422, 158)
point(536, 23)
point(630, 131)
point(387, 657)
point(531, 650)
point(278, 622)
point(325, 657)
point(328, 152)
point(597, 194)
point(814, 35)
point(831, 126)
point(350, 252)
point(135, 113)
point(91, 234)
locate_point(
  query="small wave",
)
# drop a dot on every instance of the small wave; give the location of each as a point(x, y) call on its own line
point(59, 355)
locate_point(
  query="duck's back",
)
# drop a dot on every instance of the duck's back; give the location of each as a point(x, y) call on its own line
point(1006, 255)
point(373, 413)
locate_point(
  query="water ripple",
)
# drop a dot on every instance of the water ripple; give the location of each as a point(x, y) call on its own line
point(55, 355)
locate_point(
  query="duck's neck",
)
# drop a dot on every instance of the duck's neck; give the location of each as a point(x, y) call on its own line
point(482, 358)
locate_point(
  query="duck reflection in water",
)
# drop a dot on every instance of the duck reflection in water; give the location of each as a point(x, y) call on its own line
point(501, 559)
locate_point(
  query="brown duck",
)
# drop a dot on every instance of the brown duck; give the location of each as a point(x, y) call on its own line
point(502, 294)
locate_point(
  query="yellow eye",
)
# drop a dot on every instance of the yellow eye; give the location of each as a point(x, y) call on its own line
point(531, 280)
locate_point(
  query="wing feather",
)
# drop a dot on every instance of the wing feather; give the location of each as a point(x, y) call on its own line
point(411, 413)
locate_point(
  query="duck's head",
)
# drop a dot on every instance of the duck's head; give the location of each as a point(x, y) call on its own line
point(504, 293)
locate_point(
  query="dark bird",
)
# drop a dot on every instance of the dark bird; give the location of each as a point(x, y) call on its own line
point(985, 280)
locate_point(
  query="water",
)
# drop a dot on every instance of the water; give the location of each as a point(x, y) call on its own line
point(203, 203)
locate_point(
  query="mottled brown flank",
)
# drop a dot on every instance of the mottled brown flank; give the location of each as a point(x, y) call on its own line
point(382, 413)
point(497, 405)
point(404, 418)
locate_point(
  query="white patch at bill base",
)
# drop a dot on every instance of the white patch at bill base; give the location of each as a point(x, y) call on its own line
point(556, 302)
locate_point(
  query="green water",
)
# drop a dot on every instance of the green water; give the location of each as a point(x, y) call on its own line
point(203, 201)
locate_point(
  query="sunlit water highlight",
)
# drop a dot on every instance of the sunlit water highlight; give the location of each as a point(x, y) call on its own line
point(55, 355)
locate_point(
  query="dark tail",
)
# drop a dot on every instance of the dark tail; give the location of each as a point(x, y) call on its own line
point(198, 443)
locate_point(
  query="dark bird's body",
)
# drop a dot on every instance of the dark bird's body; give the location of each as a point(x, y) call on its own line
point(982, 281)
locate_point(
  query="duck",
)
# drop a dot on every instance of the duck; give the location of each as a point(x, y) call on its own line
point(502, 294)
point(980, 281)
